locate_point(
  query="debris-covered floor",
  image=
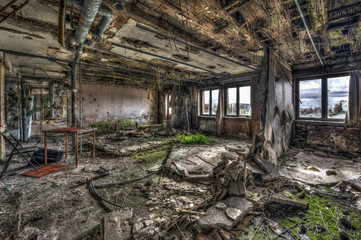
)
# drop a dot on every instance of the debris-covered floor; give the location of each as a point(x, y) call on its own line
point(175, 186)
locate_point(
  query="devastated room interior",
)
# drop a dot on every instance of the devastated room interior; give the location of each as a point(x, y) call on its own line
point(170, 119)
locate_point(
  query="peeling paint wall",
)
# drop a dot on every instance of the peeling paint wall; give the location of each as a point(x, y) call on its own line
point(101, 103)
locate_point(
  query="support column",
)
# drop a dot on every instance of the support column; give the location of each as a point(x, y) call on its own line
point(2, 110)
point(23, 110)
point(52, 99)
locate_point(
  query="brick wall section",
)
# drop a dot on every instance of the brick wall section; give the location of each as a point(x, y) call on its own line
point(236, 125)
point(332, 137)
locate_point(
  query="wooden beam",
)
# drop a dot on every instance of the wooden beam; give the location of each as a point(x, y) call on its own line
point(2, 60)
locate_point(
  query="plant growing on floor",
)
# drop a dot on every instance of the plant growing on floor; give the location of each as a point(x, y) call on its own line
point(194, 139)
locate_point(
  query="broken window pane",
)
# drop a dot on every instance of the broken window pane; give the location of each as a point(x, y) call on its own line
point(338, 97)
point(245, 101)
point(232, 101)
point(214, 101)
point(311, 98)
point(205, 102)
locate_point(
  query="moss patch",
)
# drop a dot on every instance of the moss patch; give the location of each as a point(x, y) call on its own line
point(330, 226)
point(152, 158)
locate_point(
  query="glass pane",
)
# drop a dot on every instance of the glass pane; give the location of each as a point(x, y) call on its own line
point(169, 108)
point(338, 96)
point(205, 102)
point(245, 101)
point(232, 101)
point(214, 101)
point(311, 98)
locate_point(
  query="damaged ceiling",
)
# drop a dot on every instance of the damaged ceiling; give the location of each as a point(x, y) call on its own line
point(157, 42)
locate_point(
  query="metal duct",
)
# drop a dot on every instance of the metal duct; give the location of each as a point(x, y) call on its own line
point(88, 14)
point(83, 33)
point(108, 17)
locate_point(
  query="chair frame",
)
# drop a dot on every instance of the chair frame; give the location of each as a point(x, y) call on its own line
point(16, 145)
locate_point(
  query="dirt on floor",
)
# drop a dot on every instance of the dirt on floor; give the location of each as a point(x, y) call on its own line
point(148, 202)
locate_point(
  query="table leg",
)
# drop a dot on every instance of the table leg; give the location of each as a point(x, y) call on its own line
point(76, 149)
point(93, 145)
point(46, 149)
point(66, 146)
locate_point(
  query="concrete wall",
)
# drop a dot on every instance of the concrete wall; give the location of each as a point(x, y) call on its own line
point(330, 137)
point(207, 124)
point(101, 102)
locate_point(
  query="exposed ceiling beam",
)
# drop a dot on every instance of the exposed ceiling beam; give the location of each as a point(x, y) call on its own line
point(164, 58)
point(193, 46)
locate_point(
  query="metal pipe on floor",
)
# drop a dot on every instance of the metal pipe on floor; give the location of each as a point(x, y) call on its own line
point(308, 31)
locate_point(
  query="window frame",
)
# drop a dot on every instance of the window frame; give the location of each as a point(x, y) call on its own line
point(237, 100)
point(324, 97)
point(210, 102)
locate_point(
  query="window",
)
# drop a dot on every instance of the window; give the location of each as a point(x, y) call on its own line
point(209, 102)
point(238, 101)
point(168, 108)
point(323, 98)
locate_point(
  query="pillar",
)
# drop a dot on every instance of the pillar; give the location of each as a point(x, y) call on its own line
point(52, 99)
point(2, 109)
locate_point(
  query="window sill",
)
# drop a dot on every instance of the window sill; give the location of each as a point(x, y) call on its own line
point(238, 117)
point(206, 117)
point(323, 122)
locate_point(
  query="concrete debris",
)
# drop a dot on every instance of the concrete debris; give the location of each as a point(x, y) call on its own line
point(234, 213)
point(265, 165)
point(115, 225)
point(237, 188)
point(317, 170)
point(236, 209)
point(128, 223)
point(196, 163)
point(281, 198)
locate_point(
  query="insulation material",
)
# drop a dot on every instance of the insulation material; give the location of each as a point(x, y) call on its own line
point(280, 110)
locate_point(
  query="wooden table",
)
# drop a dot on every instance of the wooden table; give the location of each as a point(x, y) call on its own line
point(79, 133)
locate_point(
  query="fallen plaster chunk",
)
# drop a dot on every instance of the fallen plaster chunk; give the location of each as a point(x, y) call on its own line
point(236, 189)
point(237, 208)
point(280, 198)
point(234, 214)
point(274, 175)
point(263, 164)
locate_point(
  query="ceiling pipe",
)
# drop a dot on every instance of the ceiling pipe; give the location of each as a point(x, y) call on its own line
point(192, 45)
point(83, 34)
point(308, 31)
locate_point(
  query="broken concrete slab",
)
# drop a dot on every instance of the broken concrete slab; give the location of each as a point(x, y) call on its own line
point(194, 161)
point(237, 208)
